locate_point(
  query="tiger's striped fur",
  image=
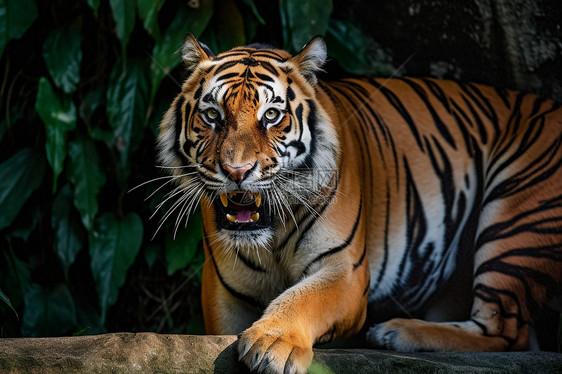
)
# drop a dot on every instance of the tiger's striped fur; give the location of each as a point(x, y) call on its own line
point(377, 198)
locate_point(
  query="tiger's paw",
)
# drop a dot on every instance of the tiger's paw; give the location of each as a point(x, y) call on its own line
point(414, 335)
point(398, 334)
point(266, 348)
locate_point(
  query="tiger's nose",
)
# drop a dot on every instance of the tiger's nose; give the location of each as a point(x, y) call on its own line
point(238, 172)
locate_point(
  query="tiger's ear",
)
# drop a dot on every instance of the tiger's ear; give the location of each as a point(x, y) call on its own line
point(311, 58)
point(193, 52)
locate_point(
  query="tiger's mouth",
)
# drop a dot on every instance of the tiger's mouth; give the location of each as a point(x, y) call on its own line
point(242, 210)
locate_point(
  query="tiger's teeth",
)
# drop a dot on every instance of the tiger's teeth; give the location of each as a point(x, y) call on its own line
point(230, 217)
point(258, 199)
point(231, 194)
point(255, 217)
point(224, 199)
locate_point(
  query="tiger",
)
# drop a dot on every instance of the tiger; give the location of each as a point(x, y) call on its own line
point(424, 214)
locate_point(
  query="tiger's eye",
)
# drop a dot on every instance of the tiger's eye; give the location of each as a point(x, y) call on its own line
point(212, 113)
point(271, 114)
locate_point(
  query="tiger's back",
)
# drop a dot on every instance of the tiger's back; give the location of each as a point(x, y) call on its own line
point(328, 204)
point(461, 164)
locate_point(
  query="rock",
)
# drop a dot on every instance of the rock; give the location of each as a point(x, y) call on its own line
point(506, 43)
point(154, 353)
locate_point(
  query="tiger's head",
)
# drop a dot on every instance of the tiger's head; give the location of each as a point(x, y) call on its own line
point(248, 136)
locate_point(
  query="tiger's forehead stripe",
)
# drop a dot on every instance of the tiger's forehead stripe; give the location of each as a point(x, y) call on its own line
point(250, 68)
point(250, 58)
point(268, 54)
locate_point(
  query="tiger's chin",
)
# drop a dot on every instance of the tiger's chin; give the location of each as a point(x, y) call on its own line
point(247, 240)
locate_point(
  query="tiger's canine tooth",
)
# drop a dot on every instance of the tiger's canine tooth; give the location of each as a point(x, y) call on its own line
point(255, 217)
point(230, 217)
point(224, 199)
point(258, 199)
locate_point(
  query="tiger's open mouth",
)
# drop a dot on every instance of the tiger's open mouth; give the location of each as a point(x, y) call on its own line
point(242, 210)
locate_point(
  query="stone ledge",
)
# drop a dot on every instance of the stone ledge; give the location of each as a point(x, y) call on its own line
point(154, 353)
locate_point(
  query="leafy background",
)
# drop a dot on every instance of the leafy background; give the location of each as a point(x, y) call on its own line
point(84, 85)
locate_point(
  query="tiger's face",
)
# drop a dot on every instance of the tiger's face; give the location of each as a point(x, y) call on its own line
point(248, 136)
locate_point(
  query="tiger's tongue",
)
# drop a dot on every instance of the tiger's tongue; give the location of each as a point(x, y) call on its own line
point(243, 215)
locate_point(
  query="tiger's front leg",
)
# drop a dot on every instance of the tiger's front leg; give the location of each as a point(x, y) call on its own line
point(328, 304)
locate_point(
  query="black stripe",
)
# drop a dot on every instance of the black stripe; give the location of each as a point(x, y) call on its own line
point(267, 66)
point(231, 54)
point(382, 271)
point(481, 326)
point(477, 121)
point(461, 119)
point(268, 54)
point(367, 287)
point(483, 104)
point(492, 295)
point(225, 66)
point(356, 90)
point(524, 274)
point(249, 263)
point(243, 297)
point(199, 90)
point(264, 77)
point(439, 124)
point(226, 76)
point(361, 259)
point(512, 126)
point(540, 171)
point(503, 94)
point(342, 246)
point(397, 104)
point(311, 219)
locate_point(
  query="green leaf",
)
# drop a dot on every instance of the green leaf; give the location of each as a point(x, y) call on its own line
point(124, 16)
point(164, 58)
point(63, 55)
point(349, 47)
point(7, 122)
point(88, 315)
point(48, 312)
point(181, 250)
point(67, 230)
point(151, 254)
point(94, 4)
point(127, 105)
point(148, 12)
point(198, 19)
point(59, 115)
point(6, 301)
point(252, 6)
point(85, 172)
point(317, 368)
point(15, 278)
point(90, 103)
point(303, 20)
point(158, 111)
point(25, 226)
point(251, 25)
point(114, 245)
point(228, 29)
point(16, 16)
point(20, 175)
